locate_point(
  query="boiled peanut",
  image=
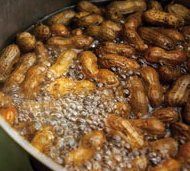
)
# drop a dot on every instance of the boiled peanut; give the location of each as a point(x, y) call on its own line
point(186, 112)
point(114, 60)
point(151, 126)
point(116, 48)
point(107, 77)
point(89, 63)
point(42, 54)
point(63, 86)
point(186, 33)
point(179, 92)
point(77, 32)
point(26, 41)
point(63, 63)
point(92, 19)
point(154, 88)
point(184, 153)
point(168, 147)
point(173, 34)
point(180, 131)
point(64, 17)
point(180, 10)
point(79, 42)
point(126, 130)
point(94, 139)
point(116, 27)
point(88, 7)
point(130, 31)
point(9, 114)
point(123, 109)
point(168, 165)
point(108, 30)
point(8, 57)
point(139, 163)
point(5, 100)
point(33, 79)
point(118, 8)
point(159, 55)
point(156, 38)
point(42, 32)
point(59, 30)
point(138, 98)
point(155, 5)
point(19, 74)
point(101, 33)
point(79, 156)
point(166, 115)
point(169, 73)
point(43, 138)
point(157, 17)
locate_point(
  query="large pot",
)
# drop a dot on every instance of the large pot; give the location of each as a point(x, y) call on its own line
point(17, 16)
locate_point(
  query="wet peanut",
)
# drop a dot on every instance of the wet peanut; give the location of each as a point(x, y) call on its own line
point(173, 34)
point(93, 19)
point(114, 60)
point(42, 54)
point(77, 32)
point(138, 98)
point(186, 112)
point(79, 156)
point(94, 140)
point(122, 109)
point(117, 9)
point(18, 75)
point(154, 88)
point(180, 10)
point(26, 41)
point(168, 165)
point(63, 86)
point(8, 57)
point(33, 79)
point(151, 126)
point(166, 115)
point(179, 92)
point(9, 114)
point(101, 33)
point(108, 30)
point(181, 132)
point(156, 38)
point(63, 63)
point(169, 73)
point(155, 5)
point(116, 27)
point(116, 48)
point(42, 32)
point(168, 147)
point(126, 130)
point(43, 139)
point(89, 63)
point(88, 7)
point(59, 30)
point(157, 17)
point(130, 31)
point(107, 77)
point(139, 163)
point(159, 55)
point(64, 17)
point(184, 153)
point(5, 100)
point(79, 42)
point(186, 33)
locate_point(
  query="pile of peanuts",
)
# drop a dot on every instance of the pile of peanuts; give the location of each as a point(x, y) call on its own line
point(138, 48)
